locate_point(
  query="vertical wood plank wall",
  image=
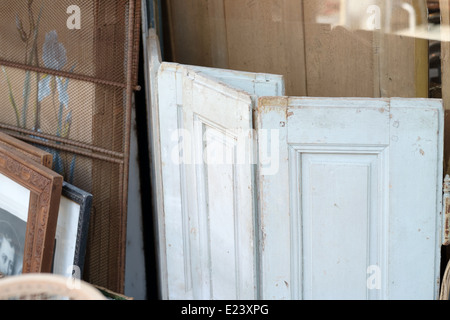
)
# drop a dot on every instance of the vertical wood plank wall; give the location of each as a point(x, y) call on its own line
point(285, 37)
point(403, 60)
point(445, 61)
point(339, 62)
point(267, 36)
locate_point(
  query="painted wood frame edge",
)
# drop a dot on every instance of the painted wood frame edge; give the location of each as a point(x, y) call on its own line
point(153, 62)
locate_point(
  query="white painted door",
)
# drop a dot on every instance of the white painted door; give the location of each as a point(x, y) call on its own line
point(202, 121)
point(350, 198)
point(346, 202)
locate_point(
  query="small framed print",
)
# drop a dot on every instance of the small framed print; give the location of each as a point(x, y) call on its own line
point(30, 195)
point(72, 231)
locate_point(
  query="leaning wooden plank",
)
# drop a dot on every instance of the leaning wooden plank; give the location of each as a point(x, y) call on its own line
point(153, 62)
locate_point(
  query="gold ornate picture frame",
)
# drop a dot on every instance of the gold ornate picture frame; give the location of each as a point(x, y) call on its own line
point(22, 178)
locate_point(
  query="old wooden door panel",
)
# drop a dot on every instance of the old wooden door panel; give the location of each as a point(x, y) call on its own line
point(350, 198)
point(204, 208)
point(416, 157)
point(208, 202)
point(339, 209)
point(220, 188)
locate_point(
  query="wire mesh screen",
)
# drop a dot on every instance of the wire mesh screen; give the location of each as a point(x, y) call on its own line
point(68, 69)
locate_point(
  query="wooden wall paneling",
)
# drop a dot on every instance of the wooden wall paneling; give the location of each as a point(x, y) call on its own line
point(256, 36)
point(267, 36)
point(421, 53)
point(339, 61)
point(348, 61)
point(218, 34)
point(403, 60)
point(190, 31)
point(198, 32)
point(293, 38)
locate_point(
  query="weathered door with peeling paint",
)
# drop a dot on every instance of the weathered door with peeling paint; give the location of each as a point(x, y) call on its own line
point(203, 121)
point(350, 198)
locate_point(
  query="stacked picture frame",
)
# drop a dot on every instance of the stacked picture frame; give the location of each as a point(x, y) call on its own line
point(43, 219)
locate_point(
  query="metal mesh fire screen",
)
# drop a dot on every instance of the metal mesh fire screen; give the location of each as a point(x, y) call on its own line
point(68, 72)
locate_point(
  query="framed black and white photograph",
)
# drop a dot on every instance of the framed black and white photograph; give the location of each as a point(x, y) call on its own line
point(14, 202)
point(30, 196)
point(73, 216)
point(72, 231)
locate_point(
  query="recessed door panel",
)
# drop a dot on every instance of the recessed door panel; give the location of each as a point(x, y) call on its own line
point(353, 209)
